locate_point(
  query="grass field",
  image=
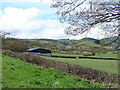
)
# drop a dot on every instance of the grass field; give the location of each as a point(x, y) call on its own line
point(109, 54)
point(19, 74)
point(105, 65)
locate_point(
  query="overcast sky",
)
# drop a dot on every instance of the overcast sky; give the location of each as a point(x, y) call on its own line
point(34, 19)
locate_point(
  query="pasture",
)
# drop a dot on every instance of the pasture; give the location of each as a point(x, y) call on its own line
point(109, 54)
point(19, 74)
point(104, 65)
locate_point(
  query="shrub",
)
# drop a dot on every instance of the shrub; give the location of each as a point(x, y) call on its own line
point(15, 45)
point(8, 53)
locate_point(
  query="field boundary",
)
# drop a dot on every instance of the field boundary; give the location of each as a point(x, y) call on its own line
point(81, 71)
point(85, 57)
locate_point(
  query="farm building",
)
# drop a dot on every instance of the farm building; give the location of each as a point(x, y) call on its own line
point(39, 51)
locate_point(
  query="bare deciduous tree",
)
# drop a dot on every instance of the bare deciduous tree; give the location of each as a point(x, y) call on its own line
point(81, 15)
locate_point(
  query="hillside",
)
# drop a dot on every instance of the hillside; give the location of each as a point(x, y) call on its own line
point(88, 38)
point(108, 40)
point(56, 46)
point(19, 74)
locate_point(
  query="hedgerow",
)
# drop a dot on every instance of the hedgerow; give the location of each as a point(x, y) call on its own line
point(83, 72)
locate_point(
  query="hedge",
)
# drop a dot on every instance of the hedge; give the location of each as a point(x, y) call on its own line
point(83, 72)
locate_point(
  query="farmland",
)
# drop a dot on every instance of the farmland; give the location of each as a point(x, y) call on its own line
point(109, 54)
point(63, 46)
point(56, 44)
point(19, 74)
point(105, 65)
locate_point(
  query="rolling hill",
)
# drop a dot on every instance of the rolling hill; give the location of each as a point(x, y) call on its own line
point(60, 45)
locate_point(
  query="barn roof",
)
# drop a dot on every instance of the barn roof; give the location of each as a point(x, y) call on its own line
point(32, 49)
point(39, 50)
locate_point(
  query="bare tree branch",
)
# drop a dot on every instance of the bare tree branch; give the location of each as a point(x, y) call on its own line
point(82, 15)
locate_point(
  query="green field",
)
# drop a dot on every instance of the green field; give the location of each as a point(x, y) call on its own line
point(19, 74)
point(105, 65)
point(109, 54)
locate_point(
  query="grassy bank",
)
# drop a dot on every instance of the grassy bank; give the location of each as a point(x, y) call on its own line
point(19, 74)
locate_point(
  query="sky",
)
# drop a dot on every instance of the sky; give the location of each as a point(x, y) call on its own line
point(29, 19)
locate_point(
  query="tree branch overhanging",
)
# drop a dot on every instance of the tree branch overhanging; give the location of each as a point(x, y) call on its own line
point(81, 19)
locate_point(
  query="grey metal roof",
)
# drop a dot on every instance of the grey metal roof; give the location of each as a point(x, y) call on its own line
point(32, 49)
point(39, 50)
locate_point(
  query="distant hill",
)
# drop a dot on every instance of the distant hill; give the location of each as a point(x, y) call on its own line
point(109, 40)
point(106, 40)
point(59, 45)
point(88, 38)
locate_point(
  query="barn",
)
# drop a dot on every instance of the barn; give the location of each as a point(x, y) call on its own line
point(39, 51)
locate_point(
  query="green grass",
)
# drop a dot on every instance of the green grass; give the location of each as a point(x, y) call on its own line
point(104, 65)
point(88, 43)
point(19, 74)
point(109, 54)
